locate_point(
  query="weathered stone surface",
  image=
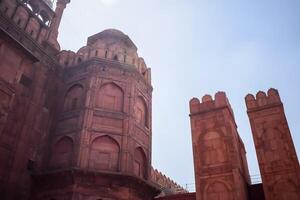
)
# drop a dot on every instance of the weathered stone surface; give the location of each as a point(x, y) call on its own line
point(186, 196)
point(79, 125)
point(221, 170)
point(76, 116)
point(275, 150)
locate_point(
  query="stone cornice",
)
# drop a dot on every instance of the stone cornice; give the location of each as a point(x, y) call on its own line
point(104, 63)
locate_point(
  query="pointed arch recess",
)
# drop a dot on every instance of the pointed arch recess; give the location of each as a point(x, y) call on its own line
point(62, 152)
point(217, 190)
point(141, 112)
point(104, 154)
point(140, 162)
point(73, 98)
point(110, 97)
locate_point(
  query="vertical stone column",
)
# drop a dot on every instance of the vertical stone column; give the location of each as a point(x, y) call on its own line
point(275, 150)
point(53, 34)
point(219, 158)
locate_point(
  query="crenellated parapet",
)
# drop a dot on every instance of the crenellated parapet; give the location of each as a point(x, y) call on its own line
point(262, 99)
point(33, 16)
point(167, 185)
point(276, 154)
point(208, 103)
point(219, 154)
point(55, 23)
point(36, 18)
point(110, 45)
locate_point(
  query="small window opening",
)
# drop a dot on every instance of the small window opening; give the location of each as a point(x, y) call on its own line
point(116, 58)
point(79, 60)
point(96, 53)
point(125, 58)
point(74, 103)
point(66, 62)
point(106, 54)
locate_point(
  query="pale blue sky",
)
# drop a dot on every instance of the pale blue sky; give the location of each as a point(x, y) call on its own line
point(198, 47)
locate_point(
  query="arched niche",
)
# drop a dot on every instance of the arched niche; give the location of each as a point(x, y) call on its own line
point(73, 98)
point(8, 7)
point(110, 97)
point(62, 152)
point(104, 154)
point(285, 190)
point(42, 35)
point(217, 191)
point(21, 16)
point(33, 27)
point(140, 163)
point(213, 148)
point(141, 112)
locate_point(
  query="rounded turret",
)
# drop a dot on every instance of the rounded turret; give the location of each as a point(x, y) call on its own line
point(111, 45)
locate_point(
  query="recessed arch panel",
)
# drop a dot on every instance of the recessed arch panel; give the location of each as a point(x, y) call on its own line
point(104, 154)
point(110, 97)
point(62, 152)
point(217, 191)
point(73, 98)
point(140, 163)
point(141, 112)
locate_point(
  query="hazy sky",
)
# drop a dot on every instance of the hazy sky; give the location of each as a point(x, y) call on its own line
point(198, 47)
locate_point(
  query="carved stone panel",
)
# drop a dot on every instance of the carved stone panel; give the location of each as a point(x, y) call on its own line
point(107, 124)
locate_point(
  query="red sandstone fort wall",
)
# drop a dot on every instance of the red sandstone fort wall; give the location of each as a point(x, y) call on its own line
point(79, 125)
point(27, 105)
point(185, 196)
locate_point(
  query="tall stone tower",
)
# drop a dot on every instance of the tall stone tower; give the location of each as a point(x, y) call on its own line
point(53, 33)
point(100, 144)
point(28, 64)
point(221, 170)
point(275, 151)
